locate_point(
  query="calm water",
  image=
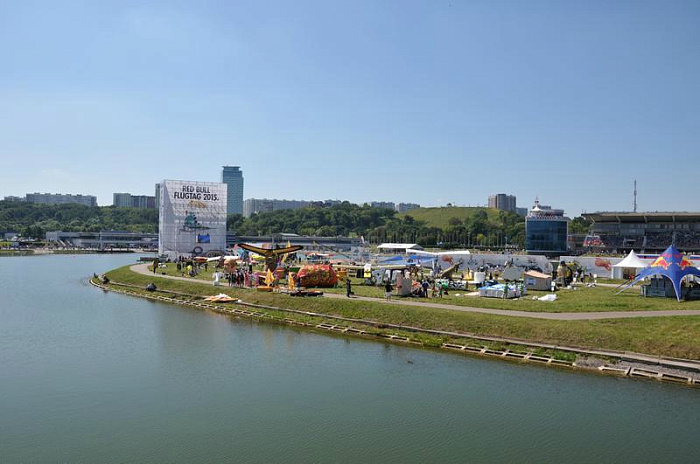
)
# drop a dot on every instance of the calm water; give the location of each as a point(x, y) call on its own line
point(89, 376)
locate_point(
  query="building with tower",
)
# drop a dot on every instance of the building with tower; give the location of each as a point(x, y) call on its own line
point(546, 231)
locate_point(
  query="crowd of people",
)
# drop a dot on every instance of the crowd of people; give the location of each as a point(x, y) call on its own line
point(235, 277)
point(688, 240)
point(238, 278)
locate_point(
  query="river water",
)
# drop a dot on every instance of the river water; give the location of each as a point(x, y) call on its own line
point(91, 376)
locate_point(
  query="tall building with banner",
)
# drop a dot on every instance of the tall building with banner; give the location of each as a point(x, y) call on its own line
point(192, 218)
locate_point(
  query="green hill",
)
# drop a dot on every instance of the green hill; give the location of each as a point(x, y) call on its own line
point(440, 216)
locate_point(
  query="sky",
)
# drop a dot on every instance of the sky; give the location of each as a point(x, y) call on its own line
point(427, 102)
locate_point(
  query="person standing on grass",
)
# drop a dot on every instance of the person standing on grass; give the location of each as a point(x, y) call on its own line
point(348, 287)
point(387, 290)
point(155, 265)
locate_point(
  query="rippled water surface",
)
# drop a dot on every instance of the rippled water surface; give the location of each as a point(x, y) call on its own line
point(93, 376)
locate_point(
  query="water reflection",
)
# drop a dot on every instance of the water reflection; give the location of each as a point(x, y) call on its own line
point(89, 376)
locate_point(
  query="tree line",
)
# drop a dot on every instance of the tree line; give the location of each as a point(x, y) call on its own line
point(481, 228)
point(34, 220)
point(378, 225)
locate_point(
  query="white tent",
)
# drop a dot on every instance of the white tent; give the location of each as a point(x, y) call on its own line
point(399, 247)
point(631, 262)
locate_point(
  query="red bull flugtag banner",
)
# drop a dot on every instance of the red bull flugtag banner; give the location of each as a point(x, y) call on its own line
point(192, 217)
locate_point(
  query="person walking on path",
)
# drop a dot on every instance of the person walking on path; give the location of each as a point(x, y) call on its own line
point(387, 290)
point(155, 265)
point(348, 287)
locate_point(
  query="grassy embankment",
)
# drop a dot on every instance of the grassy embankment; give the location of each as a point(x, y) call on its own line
point(16, 252)
point(668, 336)
point(440, 216)
point(583, 299)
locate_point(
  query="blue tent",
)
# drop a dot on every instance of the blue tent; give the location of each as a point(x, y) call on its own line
point(670, 264)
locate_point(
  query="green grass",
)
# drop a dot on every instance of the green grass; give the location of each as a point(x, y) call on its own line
point(668, 336)
point(583, 299)
point(17, 252)
point(440, 216)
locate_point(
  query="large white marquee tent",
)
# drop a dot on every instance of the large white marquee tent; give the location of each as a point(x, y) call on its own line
point(632, 262)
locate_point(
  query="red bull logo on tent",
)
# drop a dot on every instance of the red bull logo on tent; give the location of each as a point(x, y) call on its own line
point(660, 262)
point(685, 262)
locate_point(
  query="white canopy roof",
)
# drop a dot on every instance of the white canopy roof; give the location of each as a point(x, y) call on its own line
point(632, 261)
point(399, 246)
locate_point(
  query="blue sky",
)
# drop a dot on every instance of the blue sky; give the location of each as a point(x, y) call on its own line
point(428, 102)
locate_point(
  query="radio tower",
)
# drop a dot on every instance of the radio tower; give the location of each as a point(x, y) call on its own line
point(635, 195)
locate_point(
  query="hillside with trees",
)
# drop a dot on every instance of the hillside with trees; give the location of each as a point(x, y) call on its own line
point(447, 227)
point(34, 220)
point(470, 226)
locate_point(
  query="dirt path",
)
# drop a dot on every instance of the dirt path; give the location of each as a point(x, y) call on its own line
point(143, 269)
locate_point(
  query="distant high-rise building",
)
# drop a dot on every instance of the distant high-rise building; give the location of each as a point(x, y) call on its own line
point(503, 202)
point(401, 207)
point(383, 204)
point(121, 200)
point(60, 199)
point(13, 198)
point(328, 203)
point(133, 201)
point(158, 195)
point(263, 205)
point(233, 177)
point(143, 201)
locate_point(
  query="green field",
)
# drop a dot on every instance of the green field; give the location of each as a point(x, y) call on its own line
point(583, 299)
point(669, 336)
point(440, 216)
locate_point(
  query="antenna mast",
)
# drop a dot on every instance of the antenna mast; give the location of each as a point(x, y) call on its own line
point(635, 195)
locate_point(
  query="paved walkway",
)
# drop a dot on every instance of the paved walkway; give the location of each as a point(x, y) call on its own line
point(143, 269)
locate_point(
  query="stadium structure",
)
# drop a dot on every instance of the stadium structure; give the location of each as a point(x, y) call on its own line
point(618, 232)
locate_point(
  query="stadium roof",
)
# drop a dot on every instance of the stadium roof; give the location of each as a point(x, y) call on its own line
point(669, 216)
